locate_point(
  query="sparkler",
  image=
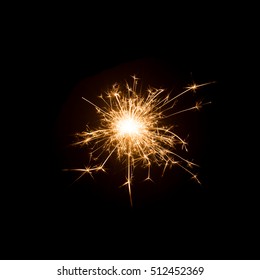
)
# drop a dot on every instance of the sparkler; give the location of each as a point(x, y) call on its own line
point(132, 127)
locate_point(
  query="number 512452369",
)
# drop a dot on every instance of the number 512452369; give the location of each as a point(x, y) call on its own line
point(176, 270)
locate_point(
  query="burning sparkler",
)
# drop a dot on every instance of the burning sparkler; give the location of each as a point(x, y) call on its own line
point(131, 126)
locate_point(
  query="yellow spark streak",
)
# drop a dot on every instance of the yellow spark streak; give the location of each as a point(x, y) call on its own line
point(131, 126)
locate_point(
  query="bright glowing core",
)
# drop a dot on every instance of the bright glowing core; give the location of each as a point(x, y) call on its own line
point(128, 126)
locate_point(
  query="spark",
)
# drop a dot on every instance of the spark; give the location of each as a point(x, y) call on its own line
point(132, 127)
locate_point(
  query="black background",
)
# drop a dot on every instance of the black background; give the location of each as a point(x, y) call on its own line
point(58, 54)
